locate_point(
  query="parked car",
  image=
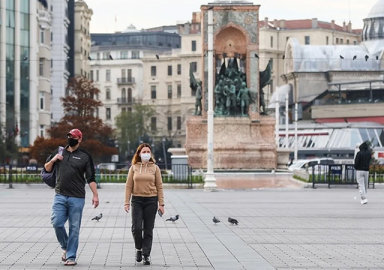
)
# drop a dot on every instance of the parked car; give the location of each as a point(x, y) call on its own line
point(306, 163)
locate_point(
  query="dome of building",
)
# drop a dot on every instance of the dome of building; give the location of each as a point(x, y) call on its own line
point(131, 29)
point(377, 10)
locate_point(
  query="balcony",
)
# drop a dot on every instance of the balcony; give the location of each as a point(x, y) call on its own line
point(126, 81)
point(44, 19)
point(126, 101)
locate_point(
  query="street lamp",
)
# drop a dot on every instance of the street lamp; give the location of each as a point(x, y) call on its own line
point(128, 143)
point(165, 156)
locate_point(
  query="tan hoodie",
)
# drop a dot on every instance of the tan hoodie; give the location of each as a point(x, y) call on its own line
point(144, 179)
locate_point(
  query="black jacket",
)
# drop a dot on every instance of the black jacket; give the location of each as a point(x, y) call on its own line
point(363, 158)
point(73, 172)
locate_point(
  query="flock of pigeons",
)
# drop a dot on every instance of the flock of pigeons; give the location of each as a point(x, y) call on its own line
point(215, 220)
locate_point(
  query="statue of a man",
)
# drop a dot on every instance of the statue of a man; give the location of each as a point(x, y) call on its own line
point(243, 97)
point(198, 99)
point(219, 96)
point(262, 101)
point(231, 98)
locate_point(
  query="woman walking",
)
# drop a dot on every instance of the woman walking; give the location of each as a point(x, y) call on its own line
point(144, 191)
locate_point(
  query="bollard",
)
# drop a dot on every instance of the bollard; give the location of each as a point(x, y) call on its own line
point(10, 177)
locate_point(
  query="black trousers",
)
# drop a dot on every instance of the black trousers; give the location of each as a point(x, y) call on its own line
point(144, 211)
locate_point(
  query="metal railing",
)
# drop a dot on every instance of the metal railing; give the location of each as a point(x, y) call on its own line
point(125, 100)
point(129, 80)
point(342, 174)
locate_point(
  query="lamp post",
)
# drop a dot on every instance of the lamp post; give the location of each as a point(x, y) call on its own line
point(165, 156)
point(128, 144)
point(210, 180)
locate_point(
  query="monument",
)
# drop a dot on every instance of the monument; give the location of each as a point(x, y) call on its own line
point(243, 136)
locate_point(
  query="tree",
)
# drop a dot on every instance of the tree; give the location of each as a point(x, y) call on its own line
point(79, 108)
point(8, 147)
point(133, 126)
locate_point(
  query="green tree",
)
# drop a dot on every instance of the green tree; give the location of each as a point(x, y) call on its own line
point(133, 127)
point(8, 147)
point(80, 106)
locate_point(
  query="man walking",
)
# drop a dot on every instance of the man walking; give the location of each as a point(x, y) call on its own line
point(69, 199)
point(362, 160)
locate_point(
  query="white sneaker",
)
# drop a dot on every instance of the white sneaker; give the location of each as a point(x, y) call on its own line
point(365, 201)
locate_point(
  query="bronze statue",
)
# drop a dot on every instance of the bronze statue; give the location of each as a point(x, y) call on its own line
point(219, 97)
point(265, 79)
point(198, 99)
point(243, 97)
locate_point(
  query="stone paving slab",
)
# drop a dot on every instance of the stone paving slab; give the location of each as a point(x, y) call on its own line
point(278, 229)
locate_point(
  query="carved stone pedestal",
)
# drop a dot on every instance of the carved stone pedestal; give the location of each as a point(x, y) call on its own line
point(239, 143)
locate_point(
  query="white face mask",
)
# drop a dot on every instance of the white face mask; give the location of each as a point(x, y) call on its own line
point(145, 157)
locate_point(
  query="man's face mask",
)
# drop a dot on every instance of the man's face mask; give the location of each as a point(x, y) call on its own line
point(72, 142)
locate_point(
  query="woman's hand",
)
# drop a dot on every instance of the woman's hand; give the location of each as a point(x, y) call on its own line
point(161, 208)
point(126, 207)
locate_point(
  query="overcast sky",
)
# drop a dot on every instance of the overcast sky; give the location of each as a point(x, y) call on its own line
point(115, 15)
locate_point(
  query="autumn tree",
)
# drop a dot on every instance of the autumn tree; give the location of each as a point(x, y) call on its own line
point(8, 146)
point(133, 126)
point(80, 106)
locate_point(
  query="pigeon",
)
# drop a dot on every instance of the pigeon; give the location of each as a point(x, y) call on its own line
point(377, 57)
point(256, 56)
point(25, 58)
point(173, 219)
point(233, 221)
point(215, 220)
point(89, 58)
point(283, 56)
point(98, 217)
point(354, 58)
point(341, 57)
point(157, 56)
point(110, 57)
point(366, 58)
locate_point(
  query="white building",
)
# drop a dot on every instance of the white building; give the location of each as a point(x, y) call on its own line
point(60, 49)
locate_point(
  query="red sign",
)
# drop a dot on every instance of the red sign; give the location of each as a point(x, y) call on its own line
point(380, 155)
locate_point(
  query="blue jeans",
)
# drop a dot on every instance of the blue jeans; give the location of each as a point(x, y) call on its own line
point(67, 208)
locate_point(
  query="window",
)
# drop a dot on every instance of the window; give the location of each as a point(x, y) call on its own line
point(341, 41)
point(91, 75)
point(347, 41)
point(97, 75)
point(123, 73)
point(42, 100)
point(98, 56)
point(169, 123)
point(153, 91)
point(135, 54)
point(179, 69)
point(193, 45)
point(354, 42)
point(307, 40)
point(41, 67)
point(337, 40)
point(42, 37)
point(169, 70)
point(169, 91)
point(179, 90)
point(194, 66)
point(42, 131)
point(123, 94)
point(271, 42)
point(124, 55)
point(108, 75)
point(108, 94)
point(327, 40)
point(124, 110)
point(271, 59)
point(153, 123)
point(153, 71)
point(178, 123)
point(129, 71)
point(106, 55)
point(108, 114)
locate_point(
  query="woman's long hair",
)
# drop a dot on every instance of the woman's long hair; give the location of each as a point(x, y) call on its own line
point(137, 158)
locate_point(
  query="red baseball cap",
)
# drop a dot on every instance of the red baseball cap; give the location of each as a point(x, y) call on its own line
point(75, 133)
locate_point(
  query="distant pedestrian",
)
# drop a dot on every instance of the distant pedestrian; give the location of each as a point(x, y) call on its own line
point(74, 168)
point(362, 161)
point(145, 186)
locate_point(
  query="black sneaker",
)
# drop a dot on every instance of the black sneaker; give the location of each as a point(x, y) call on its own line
point(147, 260)
point(139, 255)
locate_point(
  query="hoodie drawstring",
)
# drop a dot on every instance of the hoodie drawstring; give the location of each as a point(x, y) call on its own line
point(141, 165)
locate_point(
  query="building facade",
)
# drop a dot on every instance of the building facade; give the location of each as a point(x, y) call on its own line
point(274, 36)
point(60, 50)
point(82, 39)
point(25, 54)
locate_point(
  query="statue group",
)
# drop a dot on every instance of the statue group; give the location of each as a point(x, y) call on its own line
point(232, 97)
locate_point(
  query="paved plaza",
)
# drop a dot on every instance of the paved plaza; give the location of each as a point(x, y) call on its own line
point(297, 228)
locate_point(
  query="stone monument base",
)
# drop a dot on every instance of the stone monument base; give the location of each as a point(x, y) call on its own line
point(239, 143)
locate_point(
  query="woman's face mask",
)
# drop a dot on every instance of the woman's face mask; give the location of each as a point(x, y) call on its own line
point(145, 157)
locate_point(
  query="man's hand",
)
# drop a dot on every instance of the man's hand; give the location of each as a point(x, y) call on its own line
point(95, 201)
point(57, 157)
point(126, 207)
